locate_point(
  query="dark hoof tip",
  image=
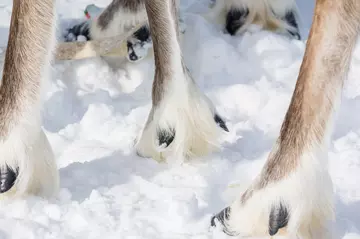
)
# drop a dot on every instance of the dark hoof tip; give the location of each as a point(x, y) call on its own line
point(166, 137)
point(133, 57)
point(236, 19)
point(295, 35)
point(82, 29)
point(219, 121)
point(221, 217)
point(279, 218)
point(7, 178)
point(212, 223)
point(131, 52)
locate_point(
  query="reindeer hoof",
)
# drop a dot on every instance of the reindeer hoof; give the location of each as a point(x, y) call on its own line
point(235, 19)
point(219, 121)
point(137, 51)
point(221, 217)
point(278, 219)
point(7, 178)
point(82, 29)
point(166, 137)
point(138, 44)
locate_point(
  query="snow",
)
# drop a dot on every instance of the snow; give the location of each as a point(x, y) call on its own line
point(93, 112)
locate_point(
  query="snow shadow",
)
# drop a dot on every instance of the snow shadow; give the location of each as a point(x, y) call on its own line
point(347, 218)
point(106, 172)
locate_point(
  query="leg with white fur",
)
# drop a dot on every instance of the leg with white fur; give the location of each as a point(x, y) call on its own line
point(237, 16)
point(293, 193)
point(117, 18)
point(182, 121)
point(27, 164)
point(285, 16)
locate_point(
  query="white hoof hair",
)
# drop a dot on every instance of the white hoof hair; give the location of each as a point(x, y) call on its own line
point(238, 16)
point(181, 126)
point(28, 153)
point(299, 205)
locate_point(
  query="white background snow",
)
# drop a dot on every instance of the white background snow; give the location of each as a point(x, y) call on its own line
point(93, 112)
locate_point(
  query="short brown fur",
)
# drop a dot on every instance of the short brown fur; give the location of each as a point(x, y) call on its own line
point(321, 75)
point(23, 68)
point(162, 43)
point(133, 6)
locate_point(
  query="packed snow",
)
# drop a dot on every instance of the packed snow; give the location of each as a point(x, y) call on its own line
point(93, 111)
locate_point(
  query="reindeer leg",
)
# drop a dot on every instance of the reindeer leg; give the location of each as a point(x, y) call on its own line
point(293, 192)
point(182, 120)
point(117, 18)
point(27, 163)
point(237, 16)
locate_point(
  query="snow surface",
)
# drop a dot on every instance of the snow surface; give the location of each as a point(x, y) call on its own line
point(93, 112)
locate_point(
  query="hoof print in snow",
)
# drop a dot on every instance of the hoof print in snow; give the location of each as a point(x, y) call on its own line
point(81, 29)
point(7, 178)
point(165, 137)
point(278, 219)
point(219, 121)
